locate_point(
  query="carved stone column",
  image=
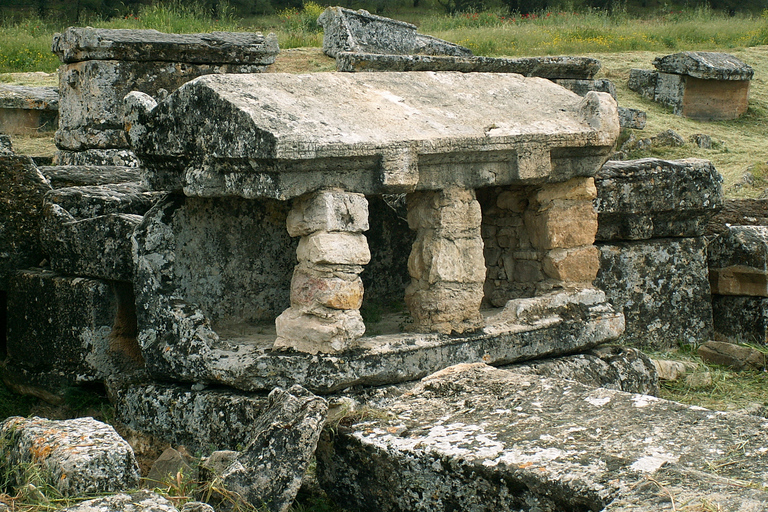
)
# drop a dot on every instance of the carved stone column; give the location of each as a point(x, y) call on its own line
point(326, 289)
point(446, 265)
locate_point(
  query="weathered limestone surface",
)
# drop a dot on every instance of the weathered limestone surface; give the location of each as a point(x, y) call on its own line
point(77, 457)
point(138, 501)
point(512, 130)
point(180, 415)
point(542, 444)
point(97, 157)
point(612, 367)
point(61, 176)
point(28, 109)
point(22, 188)
point(740, 319)
point(85, 43)
point(661, 286)
point(652, 198)
point(632, 118)
point(556, 68)
point(583, 86)
point(6, 147)
point(76, 328)
point(704, 65)
point(345, 30)
point(734, 356)
point(446, 264)
point(738, 261)
point(268, 472)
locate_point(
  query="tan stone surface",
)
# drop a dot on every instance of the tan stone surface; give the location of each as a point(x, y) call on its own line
point(451, 211)
point(328, 210)
point(579, 264)
point(337, 248)
point(574, 189)
point(305, 332)
point(739, 280)
point(445, 307)
point(714, 100)
point(562, 224)
point(515, 201)
point(329, 289)
point(434, 259)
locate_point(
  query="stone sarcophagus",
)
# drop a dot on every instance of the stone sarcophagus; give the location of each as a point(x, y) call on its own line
point(497, 175)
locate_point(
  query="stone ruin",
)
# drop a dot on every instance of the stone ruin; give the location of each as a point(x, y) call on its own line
point(267, 214)
point(25, 110)
point(700, 85)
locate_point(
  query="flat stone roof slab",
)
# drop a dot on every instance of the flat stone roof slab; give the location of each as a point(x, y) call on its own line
point(282, 135)
point(29, 98)
point(705, 65)
point(77, 44)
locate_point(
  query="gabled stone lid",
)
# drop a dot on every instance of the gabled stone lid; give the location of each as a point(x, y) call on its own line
point(281, 135)
point(705, 65)
point(77, 44)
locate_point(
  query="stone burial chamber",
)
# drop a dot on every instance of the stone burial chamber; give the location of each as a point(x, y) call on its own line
point(249, 273)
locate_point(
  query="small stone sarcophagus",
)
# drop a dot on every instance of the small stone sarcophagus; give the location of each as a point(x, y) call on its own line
point(497, 169)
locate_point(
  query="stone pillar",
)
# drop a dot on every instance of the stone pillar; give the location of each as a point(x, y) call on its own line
point(326, 289)
point(562, 221)
point(446, 265)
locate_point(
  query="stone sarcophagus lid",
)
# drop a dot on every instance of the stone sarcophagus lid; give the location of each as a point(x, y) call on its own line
point(497, 173)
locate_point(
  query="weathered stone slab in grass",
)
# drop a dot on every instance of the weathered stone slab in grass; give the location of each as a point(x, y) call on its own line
point(28, 109)
point(477, 438)
point(77, 457)
point(77, 44)
point(564, 67)
point(394, 132)
point(738, 261)
point(652, 198)
point(704, 65)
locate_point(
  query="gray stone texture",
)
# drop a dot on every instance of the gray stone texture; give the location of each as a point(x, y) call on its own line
point(542, 444)
point(740, 319)
point(704, 65)
point(138, 501)
point(97, 157)
point(166, 468)
point(6, 147)
point(268, 472)
point(25, 110)
point(61, 176)
point(736, 357)
point(182, 416)
point(77, 457)
point(583, 86)
point(662, 287)
point(738, 212)
point(738, 261)
point(22, 188)
point(577, 70)
point(345, 30)
point(512, 130)
point(72, 329)
point(609, 366)
point(632, 118)
point(652, 198)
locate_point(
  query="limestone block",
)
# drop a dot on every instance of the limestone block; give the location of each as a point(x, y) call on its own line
point(435, 259)
point(450, 212)
point(542, 444)
point(346, 30)
point(268, 472)
point(582, 87)
point(138, 501)
point(550, 67)
point(6, 147)
point(643, 82)
point(179, 415)
point(713, 100)
point(673, 370)
point(515, 201)
point(704, 65)
point(579, 264)
point(575, 189)
point(25, 110)
point(22, 188)
point(738, 261)
point(337, 248)
point(84, 202)
point(632, 118)
point(670, 91)
point(662, 287)
point(740, 319)
point(328, 210)
point(652, 198)
point(333, 290)
point(165, 468)
point(77, 457)
point(445, 307)
point(336, 331)
point(61, 176)
point(734, 356)
point(562, 224)
point(97, 157)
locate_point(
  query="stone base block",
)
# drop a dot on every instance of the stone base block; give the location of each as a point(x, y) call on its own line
point(336, 331)
point(563, 224)
point(740, 319)
point(576, 265)
point(445, 307)
point(662, 287)
point(335, 290)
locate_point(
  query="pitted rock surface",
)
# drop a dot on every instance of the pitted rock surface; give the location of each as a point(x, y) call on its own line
point(80, 456)
point(139, 501)
point(738, 261)
point(29, 98)
point(61, 176)
point(705, 65)
point(476, 438)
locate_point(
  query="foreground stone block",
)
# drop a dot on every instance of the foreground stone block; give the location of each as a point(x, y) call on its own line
point(476, 438)
point(738, 261)
point(268, 472)
point(662, 288)
point(345, 30)
point(139, 501)
point(700, 85)
point(28, 109)
point(22, 188)
point(77, 457)
point(403, 153)
point(740, 319)
point(652, 198)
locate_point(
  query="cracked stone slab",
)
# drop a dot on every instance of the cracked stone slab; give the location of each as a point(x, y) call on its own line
point(472, 437)
point(704, 65)
point(77, 44)
point(394, 132)
point(61, 176)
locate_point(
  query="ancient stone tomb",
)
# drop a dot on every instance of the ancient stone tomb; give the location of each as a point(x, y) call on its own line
point(498, 175)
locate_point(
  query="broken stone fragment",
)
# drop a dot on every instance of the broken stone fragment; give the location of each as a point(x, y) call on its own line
point(268, 472)
point(737, 357)
point(139, 501)
point(77, 457)
point(168, 466)
point(704, 65)
point(308, 331)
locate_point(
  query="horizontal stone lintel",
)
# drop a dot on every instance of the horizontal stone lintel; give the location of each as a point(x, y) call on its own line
point(739, 280)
